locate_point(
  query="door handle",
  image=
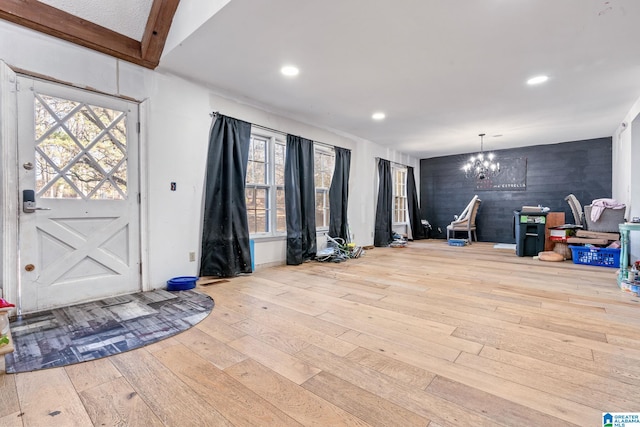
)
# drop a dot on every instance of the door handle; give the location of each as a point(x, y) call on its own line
point(29, 202)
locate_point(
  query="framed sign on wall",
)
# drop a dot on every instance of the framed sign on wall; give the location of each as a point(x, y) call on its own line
point(512, 176)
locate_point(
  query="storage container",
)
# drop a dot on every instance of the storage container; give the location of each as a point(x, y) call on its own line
point(590, 255)
point(181, 283)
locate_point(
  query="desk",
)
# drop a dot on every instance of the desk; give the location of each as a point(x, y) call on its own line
point(624, 249)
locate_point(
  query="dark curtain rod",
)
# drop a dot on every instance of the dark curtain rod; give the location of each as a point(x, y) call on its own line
point(215, 114)
point(395, 163)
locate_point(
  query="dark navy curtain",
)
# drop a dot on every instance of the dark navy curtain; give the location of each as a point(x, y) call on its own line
point(383, 233)
point(417, 230)
point(225, 230)
point(339, 195)
point(299, 194)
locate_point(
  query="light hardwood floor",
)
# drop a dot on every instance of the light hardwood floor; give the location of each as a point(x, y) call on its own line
point(429, 335)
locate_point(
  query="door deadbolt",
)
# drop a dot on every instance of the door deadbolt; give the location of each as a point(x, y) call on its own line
point(29, 202)
point(28, 166)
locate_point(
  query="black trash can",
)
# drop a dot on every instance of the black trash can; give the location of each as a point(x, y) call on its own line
point(529, 232)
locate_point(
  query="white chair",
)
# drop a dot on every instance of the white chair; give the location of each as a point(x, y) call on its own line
point(466, 221)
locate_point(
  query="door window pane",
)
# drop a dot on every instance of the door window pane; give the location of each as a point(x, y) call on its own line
point(80, 150)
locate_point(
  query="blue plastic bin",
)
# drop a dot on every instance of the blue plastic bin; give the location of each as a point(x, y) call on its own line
point(181, 283)
point(591, 255)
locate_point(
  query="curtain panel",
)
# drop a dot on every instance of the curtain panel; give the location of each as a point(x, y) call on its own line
point(417, 230)
point(383, 233)
point(225, 230)
point(339, 195)
point(299, 193)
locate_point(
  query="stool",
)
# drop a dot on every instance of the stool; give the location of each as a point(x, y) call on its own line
point(563, 249)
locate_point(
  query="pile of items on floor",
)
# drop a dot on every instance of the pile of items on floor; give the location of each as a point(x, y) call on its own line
point(338, 250)
point(398, 241)
point(599, 243)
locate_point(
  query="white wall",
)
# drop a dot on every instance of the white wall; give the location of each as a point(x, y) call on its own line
point(177, 127)
point(626, 169)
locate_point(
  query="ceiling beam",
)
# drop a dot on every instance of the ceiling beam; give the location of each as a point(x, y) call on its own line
point(157, 29)
point(57, 23)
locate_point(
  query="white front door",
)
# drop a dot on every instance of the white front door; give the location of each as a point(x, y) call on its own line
point(78, 163)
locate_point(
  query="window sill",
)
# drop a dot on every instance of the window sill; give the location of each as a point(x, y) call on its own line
point(268, 238)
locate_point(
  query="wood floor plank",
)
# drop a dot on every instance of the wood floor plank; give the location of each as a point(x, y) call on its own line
point(547, 349)
point(93, 373)
point(499, 409)
point(47, 398)
point(251, 305)
point(346, 287)
point(569, 375)
point(226, 314)
point(12, 420)
point(301, 331)
point(393, 332)
point(548, 325)
point(365, 405)
point(167, 396)
point(492, 335)
point(219, 330)
point(447, 317)
point(9, 403)
point(324, 303)
point(403, 372)
point(234, 401)
point(620, 371)
point(454, 306)
point(159, 345)
point(411, 398)
point(624, 342)
point(300, 404)
point(207, 347)
point(593, 323)
point(115, 403)
point(544, 402)
point(286, 342)
point(285, 364)
point(300, 305)
point(598, 399)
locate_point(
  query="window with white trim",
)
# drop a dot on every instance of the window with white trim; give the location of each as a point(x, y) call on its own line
point(264, 186)
point(324, 161)
point(399, 195)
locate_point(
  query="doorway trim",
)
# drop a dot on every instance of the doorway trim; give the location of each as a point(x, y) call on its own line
point(9, 199)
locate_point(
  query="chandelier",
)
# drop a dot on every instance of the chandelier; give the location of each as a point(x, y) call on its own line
point(481, 165)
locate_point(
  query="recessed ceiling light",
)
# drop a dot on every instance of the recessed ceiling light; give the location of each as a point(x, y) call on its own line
point(537, 80)
point(290, 70)
point(378, 116)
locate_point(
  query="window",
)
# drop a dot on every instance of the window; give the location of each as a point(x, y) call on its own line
point(264, 186)
point(399, 195)
point(324, 162)
point(81, 150)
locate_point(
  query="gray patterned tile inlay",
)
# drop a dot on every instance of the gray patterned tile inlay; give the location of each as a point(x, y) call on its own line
point(102, 328)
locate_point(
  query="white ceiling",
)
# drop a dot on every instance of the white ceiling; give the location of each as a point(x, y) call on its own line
point(127, 17)
point(443, 71)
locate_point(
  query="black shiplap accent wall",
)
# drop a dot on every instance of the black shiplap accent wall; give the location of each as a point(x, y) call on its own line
point(553, 171)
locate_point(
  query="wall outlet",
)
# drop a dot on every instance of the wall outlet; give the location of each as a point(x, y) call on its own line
point(192, 256)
